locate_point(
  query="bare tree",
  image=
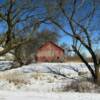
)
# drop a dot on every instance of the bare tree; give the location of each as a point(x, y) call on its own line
point(25, 54)
point(79, 17)
point(21, 19)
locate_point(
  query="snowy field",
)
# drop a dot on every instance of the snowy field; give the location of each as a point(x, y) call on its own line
point(44, 77)
point(6, 95)
point(44, 81)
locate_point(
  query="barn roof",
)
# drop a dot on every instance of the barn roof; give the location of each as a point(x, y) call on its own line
point(51, 43)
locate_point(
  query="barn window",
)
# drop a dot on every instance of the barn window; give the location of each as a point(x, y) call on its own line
point(57, 57)
point(46, 60)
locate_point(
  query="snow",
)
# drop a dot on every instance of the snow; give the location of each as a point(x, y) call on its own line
point(7, 56)
point(5, 65)
point(45, 67)
point(39, 77)
point(13, 95)
point(68, 69)
point(38, 82)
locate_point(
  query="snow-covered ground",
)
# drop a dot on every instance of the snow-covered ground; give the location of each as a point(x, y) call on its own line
point(6, 95)
point(65, 68)
point(45, 77)
point(5, 65)
point(41, 82)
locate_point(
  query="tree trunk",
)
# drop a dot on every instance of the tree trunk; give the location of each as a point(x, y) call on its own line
point(19, 60)
point(18, 56)
point(97, 77)
point(85, 62)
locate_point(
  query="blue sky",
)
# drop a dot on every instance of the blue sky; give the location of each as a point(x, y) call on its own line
point(63, 37)
point(2, 1)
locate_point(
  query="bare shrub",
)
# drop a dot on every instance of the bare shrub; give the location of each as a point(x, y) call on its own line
point(81, 86)
point(85, 86)
point(17, 81)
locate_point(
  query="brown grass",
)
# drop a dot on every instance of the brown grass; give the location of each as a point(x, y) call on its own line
point(16, 78)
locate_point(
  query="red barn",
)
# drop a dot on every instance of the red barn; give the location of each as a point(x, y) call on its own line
point(50, 52)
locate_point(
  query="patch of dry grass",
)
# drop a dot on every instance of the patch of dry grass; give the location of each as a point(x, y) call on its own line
point(81, 86)
point(37, 75)
point(15, 77)
point(43, 76)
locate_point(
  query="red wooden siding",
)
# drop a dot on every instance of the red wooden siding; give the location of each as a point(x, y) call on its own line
point(49, 52)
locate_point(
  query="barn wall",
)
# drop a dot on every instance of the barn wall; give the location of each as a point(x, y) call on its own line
point(49, 53)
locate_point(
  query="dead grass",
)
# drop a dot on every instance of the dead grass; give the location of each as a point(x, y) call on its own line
point(37, 75)
point(81, 86)
point(15, 77)
point(43, 76)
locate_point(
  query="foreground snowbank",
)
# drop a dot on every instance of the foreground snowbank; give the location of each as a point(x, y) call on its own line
point(6, 95)
point(40, 82)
